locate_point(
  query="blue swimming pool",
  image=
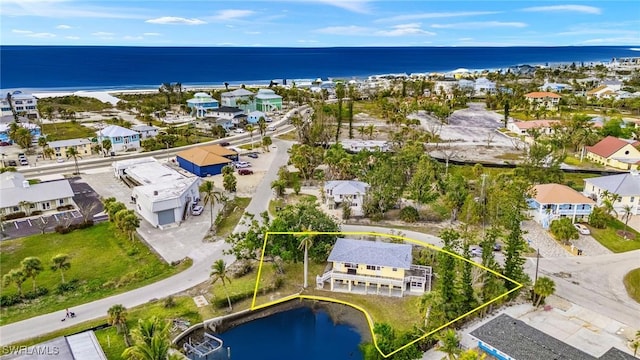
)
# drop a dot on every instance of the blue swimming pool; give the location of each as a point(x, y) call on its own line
point(300, 333)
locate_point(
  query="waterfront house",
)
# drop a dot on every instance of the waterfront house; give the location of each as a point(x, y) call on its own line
point(22, 103)
point(201, 103)
point(484, 86)
point(122, 139)
point(626, 186)
point(346, 193)
point(374, 267)
point(162, 195)
point(267, 100)
point(241, 98)
point(206, 160)
point(544, 99)
point(146, 131)
point(17, 194)
point(60, 147)
point(614, 152)
point(553, 201)
point(506, 338)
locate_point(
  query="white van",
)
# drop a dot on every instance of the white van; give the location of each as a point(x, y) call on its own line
point(271, 128)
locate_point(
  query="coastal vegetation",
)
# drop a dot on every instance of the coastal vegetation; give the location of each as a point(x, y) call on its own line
point(67, 107)
point(632, 284)
point(92, 273)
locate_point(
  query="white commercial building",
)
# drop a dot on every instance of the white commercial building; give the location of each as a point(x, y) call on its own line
point(162, 196)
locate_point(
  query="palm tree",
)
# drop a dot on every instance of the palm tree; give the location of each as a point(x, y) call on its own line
point(262, 127)
point(150, 341)
point(543, 287)
point(279, 187)
point(16, 276)
point(628, 211)
point(32, 266)
point(61, 263)
point(42, 142)
point(449, 343)
point(219, 273)
point(306, 242)
point(250, 129)
point(211, 196)
point(73, 152)
point(118, 317)
point(106, 146)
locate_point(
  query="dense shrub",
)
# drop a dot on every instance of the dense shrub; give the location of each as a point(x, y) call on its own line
point(9, 300)
point(598, 218)
point(409, 214)
point(37, 212)
point(60, 229)
point(15, 215)
point(68, 286)
point(169, 302)
point(34, 294)
point(65, 207)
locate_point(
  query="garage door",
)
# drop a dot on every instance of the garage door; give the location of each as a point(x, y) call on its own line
point(166, 217)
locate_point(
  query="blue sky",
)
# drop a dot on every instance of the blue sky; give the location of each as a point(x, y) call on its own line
point(319, 23)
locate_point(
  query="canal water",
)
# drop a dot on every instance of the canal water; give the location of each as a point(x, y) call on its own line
point(300, 333)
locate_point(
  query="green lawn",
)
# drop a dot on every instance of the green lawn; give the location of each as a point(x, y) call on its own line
point(614, 242)
point(632, 284)
point(67, 130)
point(103, 261)
point(229, 223)
point(585, 163)
point(289, 199)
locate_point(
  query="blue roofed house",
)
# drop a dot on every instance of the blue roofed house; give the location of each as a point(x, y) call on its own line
point(374, 267)
point(122, 139)
point(343, 192)
point(255, 116)
point(553, 201)
point(201, 103)
point(626, 186)
point(268, 100)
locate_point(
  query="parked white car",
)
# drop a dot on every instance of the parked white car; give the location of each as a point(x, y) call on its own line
point(271, 128)
point(197, 210)
point(582, 229)
point(242, 164)
point(475, 251)
point(239, 131)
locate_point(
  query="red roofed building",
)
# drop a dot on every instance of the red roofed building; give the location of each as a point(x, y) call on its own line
point(614, 152)
point(543, 98)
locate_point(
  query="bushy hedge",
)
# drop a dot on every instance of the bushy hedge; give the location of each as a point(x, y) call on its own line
point(61, 229)
point(15, 215)
point(409, 214)
point(68, 286)
point(13, 299)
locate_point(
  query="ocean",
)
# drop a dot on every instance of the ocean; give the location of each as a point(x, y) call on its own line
point(112, 67)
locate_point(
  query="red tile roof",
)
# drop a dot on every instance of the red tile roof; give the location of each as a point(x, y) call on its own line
point(609, 145)
point(523, 125)
point(542, 94)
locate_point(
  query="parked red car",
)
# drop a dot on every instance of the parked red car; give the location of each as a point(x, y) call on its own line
point(245, 171)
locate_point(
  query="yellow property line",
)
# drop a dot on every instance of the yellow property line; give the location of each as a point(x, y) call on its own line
point(357, 307)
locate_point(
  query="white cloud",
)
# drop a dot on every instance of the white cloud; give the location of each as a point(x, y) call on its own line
point(151, 34)
point(404, 29)
point(345, 30)
point(232, 14)
point(173, 20)
point(63, 27)
point(252, 32)
point(307, 41)
point(30, 33)
point(102, 33)
point(66, 9)
point(479, 25)
point(72, 37)
point(129, 37)
point(566, 8)
point(611, 41)
point(596, 31)
point(436, 15)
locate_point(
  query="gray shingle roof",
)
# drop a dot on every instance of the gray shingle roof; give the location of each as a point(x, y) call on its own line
point(523, 342)
point(12, 191)
point(372, 253)
point(622, 184)
point(346, 187)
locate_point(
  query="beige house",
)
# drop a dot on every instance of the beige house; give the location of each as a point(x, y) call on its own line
point(544, 127)
point(614, 152)
point(545, 99)
point(374, 267)
point(60, 147)
point(18, 195)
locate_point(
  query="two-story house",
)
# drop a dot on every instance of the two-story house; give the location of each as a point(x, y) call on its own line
point(122, 139)
point(544, 99)
point(60, 147)
point(201, 103)
point(374, 267)
point(268, 100)
point(614, 152)
point(346, 193)
point(625, 186)
point(22, 103)
point(553, 201)
point(241, 98)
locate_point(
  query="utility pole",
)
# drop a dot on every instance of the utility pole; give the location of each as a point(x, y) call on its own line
point(537, 263)
point(484, 204)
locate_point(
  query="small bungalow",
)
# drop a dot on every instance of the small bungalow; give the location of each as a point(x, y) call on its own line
point(255, 116)
point(268, 100)
point(545, 127)
point(17, 194)
point(374, 267)
point(60, 147)
point(545, 99)
point(146, 131)
point(201, 103)
point(553, 201)
point(626, 186)
point(344, 192)
point(122, 139)
point(614, 152)
point(206, 160)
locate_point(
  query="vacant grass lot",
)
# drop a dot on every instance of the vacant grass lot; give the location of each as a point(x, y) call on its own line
point(289, 200)
point(229, 222)
point(103, 261)
point(614, 242)
point(67, 130)
point(632, 284)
